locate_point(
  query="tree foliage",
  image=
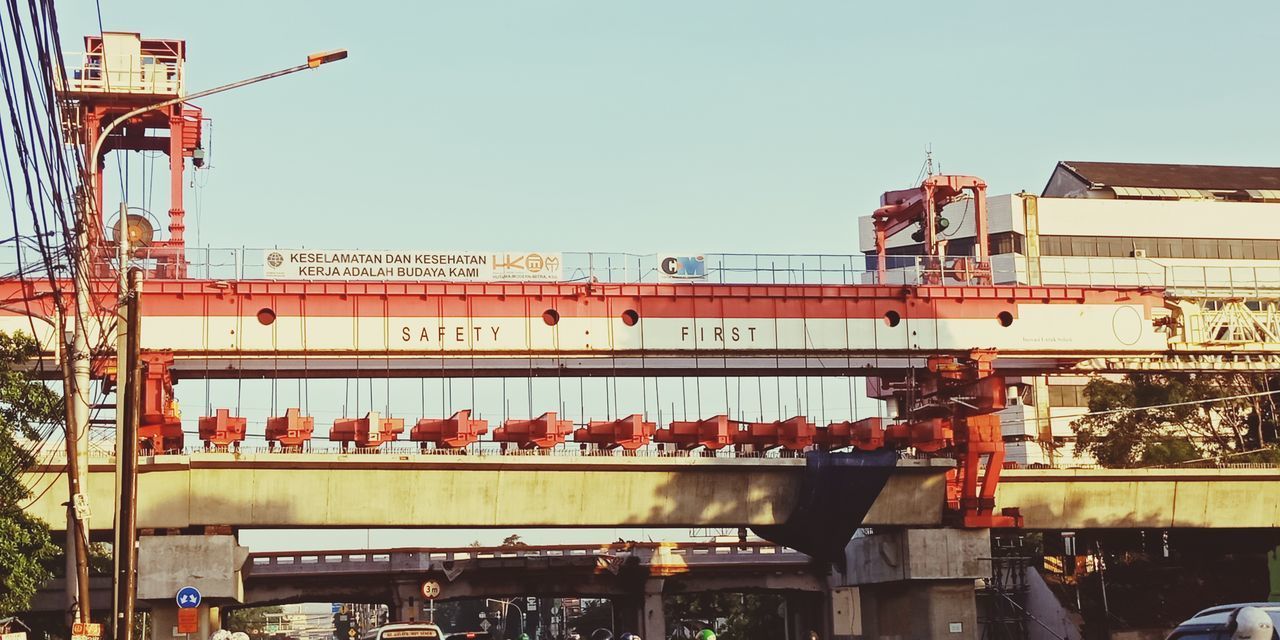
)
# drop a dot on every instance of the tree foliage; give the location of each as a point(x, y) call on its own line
point(1178, 417)
point(25, 406)
point(252, 620)
point(742, 616)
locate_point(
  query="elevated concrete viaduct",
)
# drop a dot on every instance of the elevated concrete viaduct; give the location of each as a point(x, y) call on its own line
point(371, 491)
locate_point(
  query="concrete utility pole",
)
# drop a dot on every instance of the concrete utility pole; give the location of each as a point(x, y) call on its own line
point(128, 397)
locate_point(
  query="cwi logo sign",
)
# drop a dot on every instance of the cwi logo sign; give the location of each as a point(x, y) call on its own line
point(682, 267)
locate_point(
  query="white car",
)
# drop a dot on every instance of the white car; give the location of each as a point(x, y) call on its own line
point(1241, 621)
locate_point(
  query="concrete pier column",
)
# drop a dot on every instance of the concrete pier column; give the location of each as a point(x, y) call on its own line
point(653, 619)
point(406, 605)
point(210, 563)
point(917, 583)
point(627, 612)
point(164, 623)
point(804, 614)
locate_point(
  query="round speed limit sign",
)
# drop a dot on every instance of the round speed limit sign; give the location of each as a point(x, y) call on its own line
point(431, 589)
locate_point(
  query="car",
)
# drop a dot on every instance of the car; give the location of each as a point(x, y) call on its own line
point(405, 631)
point(468, 635)
point(1218, 623)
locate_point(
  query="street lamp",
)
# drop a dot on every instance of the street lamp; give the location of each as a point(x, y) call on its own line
point(313, 61)
point(81, 363)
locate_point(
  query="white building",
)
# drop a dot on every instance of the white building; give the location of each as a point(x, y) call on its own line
point(1192, 229)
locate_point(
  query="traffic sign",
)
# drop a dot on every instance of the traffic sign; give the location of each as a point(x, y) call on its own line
point(85, 631)
point(431, 589)
point(91, 629)
point(188, 620)
point(188, 598)
point(484, 625)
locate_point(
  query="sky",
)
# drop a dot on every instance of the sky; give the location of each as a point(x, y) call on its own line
point(715, 126)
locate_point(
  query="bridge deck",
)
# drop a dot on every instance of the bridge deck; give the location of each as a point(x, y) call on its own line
point(1143, 498)
point(370, 491)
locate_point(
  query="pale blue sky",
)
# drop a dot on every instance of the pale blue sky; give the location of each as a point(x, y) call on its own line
point(728, 125)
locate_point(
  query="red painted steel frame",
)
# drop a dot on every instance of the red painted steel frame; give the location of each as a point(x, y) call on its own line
point(454, 432)
point(291, 431)
point(160, 426)
point(542, 432)
point(629, 433)
point(794, 434)
point(712, 433)
point(369, 432)
point(183, 124)
point(222, 430)
point(902, 208)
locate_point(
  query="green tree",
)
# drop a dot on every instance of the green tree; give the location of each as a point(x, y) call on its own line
point(1176, 417)
point(25, 405)
point(733, 616)
point(252, 620)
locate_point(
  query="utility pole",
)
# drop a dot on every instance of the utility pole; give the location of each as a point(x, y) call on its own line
point(75, 371)
point(127, 402)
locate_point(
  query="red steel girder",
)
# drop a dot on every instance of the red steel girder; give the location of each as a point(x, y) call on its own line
point(793, 434)
point(159, 425)
point(291, 431)
point(454, 432)
point(712, 433)
point(629, 433)
point(222, 429)
point(866, 434)
point(930, 435)
point(542, 432)
point(371, 431)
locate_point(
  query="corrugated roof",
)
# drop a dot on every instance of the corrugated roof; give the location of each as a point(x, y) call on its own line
point(1175, 176)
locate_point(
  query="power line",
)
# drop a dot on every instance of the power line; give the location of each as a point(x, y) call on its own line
point(1170, 405)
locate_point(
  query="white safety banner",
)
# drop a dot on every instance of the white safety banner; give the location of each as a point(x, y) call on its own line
point(309, 264)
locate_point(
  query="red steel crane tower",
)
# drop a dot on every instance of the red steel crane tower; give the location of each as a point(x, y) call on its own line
point(117, 73)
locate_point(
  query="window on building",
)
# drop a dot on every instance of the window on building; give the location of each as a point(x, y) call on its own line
point(1123, 247)
point(1067, 395)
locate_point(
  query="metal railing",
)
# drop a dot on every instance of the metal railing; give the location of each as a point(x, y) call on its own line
point(1245, 281)
point(53, 453)
point(849, 269)
point(145, 74)
point(401, 558)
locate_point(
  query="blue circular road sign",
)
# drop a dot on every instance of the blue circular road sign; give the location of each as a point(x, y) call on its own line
point(188, 598)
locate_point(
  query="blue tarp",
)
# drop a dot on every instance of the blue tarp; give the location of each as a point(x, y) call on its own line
point(837, 491)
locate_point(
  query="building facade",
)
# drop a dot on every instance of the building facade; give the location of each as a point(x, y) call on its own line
point(1194, 230)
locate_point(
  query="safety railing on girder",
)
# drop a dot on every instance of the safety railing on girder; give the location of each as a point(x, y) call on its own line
point(363, 560)
point(144, 73)
point(1253, 280)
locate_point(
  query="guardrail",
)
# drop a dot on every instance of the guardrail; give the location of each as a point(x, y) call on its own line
point(147, 74)
point(54, 451)
point(827, 269)
point(402, 559)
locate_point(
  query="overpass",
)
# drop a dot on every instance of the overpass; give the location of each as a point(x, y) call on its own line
point(301, 490)
point(550, 570)
point(625, 573)
point(313, 490)
point(1170, 498)
point(378, 576)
